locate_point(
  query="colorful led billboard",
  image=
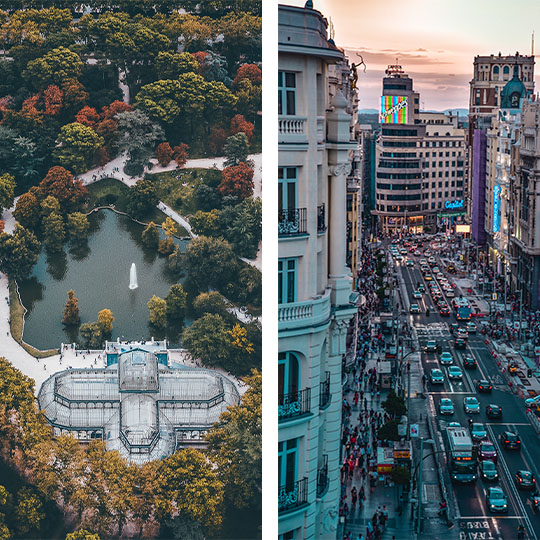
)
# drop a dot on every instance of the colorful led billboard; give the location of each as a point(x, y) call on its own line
point(393, 110)
point(496, 208)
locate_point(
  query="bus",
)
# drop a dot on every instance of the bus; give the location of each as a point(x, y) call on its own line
point(463, 309)
point(462, 462)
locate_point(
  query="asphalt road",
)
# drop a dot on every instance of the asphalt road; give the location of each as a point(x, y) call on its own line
point(474, 519)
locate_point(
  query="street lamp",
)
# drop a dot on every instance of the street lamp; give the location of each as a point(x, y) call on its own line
point(422, 441)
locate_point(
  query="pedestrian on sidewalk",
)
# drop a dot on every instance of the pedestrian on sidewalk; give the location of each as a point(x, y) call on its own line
point(354, 498)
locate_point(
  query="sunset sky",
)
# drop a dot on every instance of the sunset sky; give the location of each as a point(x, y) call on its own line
point(435, 41)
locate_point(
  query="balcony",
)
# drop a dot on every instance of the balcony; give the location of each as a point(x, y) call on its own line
point(322, 477)
point(324, 392)
point(292, 129)
point(293, 496)
point(292, 221)
point(321, 218)
point(307, 313)
point(294, 405)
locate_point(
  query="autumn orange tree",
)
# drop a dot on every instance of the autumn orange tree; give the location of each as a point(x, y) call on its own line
point(164, 153)
point(252, 72)
point(59, 183)
point(180, 154)
point(240, 124)
point(237, 181)
point(71, 309)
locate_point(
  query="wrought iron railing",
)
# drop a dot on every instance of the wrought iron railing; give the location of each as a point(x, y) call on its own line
point(324, 391)
point(322, 476)
point(293, 495)
point(321, 218)
point(294, 404)
point(292, 221)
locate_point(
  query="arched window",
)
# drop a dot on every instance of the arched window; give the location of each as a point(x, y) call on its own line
point(496, 70)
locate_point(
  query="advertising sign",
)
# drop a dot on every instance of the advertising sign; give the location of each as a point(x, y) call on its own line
point(463, 228)
point(393, 110)
point(496, 208)
point(453, 204)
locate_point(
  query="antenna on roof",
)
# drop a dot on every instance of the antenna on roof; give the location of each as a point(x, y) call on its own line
point(532, 44)
point(332, 29)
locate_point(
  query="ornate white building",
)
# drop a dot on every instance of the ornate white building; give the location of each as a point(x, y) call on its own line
point(315, 150)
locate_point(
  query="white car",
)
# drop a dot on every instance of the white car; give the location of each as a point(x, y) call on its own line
point(471, 405)
point(446, 406)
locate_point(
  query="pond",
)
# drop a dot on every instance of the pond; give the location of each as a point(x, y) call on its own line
point(99, 273)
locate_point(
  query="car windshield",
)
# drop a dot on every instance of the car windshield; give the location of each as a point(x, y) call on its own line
point(497, 494)
point(487, 447)
point(478, 427)
point(526, 475)
point(471, 401)
point(489, 465)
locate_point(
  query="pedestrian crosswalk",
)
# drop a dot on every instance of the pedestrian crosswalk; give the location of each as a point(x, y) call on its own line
point(432, 330)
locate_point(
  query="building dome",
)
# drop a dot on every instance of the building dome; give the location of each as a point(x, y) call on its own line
point(513, 92)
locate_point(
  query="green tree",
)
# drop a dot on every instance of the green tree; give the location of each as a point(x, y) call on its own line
point(187, 485)
point(210, 263)
point(236, 149)
point(171, 65)
point(82, 534)
point(158, 311)
point(235, 446)
point(208, 340)
point(49, 205)
point(77, 226)
point(55, 67)
point(71, 309)
point(176, 301)
point(54, 232)
point(142, 198)
point(76, 146)
point(389, 431)
point(91, 334)
point(175, 261)
point(205, 223)
point(241, 226)
point(19, 252)
point(7, 190)
point(138, 136)
point(29, 511)
point(210, 302)
point(394, 405)
point(250, 286)
point(105, 320)
point(27, 210)
point(150, 236)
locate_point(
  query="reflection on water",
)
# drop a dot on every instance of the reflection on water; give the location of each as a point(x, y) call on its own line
point(98, 272)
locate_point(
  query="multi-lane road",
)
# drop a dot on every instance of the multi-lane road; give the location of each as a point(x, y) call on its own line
point(474, 519)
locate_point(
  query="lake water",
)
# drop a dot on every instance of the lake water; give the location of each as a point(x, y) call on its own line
point(99, 275)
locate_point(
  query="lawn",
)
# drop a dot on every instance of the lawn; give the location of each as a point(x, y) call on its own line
point(109, 191)
point(175, 188)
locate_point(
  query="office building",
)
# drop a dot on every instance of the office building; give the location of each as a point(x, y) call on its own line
point(315, 134)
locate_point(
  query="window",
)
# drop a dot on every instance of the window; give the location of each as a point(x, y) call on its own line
point(291, 535)
point(286, 281)
point(496, 70)
point(286, 93)
point(287, 178)
point(287, 463)
point(288, 373)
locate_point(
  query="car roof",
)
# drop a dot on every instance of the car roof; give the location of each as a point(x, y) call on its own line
point(445, 399)
point(471, 398)
point(524, 472)
point(496, 490)
point(493, 406)
point(478, 424)
point(436, 370)
point(489, 462)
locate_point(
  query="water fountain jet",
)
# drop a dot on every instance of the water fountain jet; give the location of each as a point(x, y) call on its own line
point(133, 277)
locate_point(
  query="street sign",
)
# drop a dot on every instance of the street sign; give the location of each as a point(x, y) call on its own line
point(516, 325)
point(494, 296)
point(414, 430)
point(537, 351)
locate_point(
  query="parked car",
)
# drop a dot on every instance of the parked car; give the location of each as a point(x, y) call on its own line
point(510, 440)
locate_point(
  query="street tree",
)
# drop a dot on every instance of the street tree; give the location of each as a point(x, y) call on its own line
point(19, 252)
point(158, 311)
point(176, 301)
point(54, 232)
point(394, 405)
point(235, 446)
point(164, 154)
point(105, 320)
point(236, 149)
point(71, 310)
point(180, 154)
point(7, 190)
point(76, 146)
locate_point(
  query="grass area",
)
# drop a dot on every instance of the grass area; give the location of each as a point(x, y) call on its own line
point(110, 191)
point(172, 191)
point(16, 323)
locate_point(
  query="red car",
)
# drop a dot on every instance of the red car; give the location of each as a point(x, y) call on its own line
point(486, 450)
point(445, 311)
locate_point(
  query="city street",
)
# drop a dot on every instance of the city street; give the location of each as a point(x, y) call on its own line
point(469, 505)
